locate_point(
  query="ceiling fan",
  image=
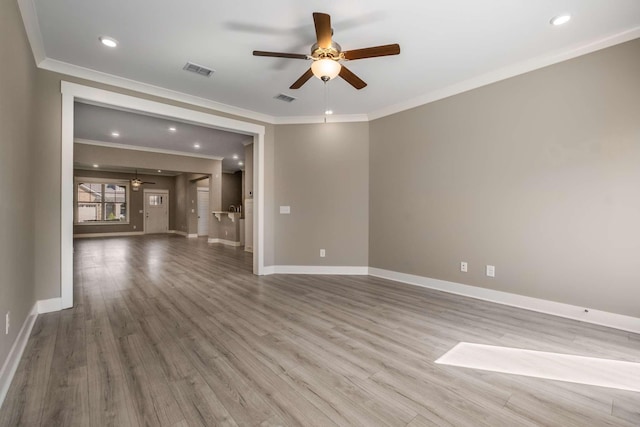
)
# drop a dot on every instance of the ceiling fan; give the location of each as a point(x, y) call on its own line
point(327, 54)
point(136, 183)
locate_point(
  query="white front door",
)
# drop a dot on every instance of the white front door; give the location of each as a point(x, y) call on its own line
point(156, 211)
point(203, 212)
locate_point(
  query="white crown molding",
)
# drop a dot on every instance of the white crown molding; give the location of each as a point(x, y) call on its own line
point(32, 28)
point(507, 72)
point(145, 149)
point(339, 118)
point(110, 79)
point(588, 315)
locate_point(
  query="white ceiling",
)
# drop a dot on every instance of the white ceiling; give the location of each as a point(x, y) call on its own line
point(447, 46)
point(95, 124)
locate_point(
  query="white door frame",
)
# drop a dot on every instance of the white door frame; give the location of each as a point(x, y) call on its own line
point(72, 92)
point(144, 206)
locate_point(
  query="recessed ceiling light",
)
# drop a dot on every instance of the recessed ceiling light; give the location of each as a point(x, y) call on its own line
point(328, 112)
point(172, 129)
point(159, 171)
point(240, 163)
point(235, 157)
point(96, 166)
point(560, 19)
point(115, 134)
point(108, 41)
point(196, 145)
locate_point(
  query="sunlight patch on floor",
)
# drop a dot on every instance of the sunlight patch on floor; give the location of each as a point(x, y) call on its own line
point(540, 364)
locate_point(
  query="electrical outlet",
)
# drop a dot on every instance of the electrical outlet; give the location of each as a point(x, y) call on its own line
point(7, 322)
point(323, 253)
point(135, 226)
point(285, 209)
point(463, 267)
point(491, 270)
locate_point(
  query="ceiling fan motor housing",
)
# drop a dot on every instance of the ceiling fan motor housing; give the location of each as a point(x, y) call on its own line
point(333, 52)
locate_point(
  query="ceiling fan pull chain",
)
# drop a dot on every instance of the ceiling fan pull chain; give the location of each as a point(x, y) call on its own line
point(326, 100)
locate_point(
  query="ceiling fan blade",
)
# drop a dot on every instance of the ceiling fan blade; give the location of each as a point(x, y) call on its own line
point(302, 80)
point(372, 52)
point(322, 22)
point(279, 54)
point(147, 182)
point(351, 78)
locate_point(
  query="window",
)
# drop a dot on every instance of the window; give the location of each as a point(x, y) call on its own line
point(155, 200)
point(101, 202)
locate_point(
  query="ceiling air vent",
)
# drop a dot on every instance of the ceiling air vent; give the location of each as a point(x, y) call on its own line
point(285, 98)
point(198, 69)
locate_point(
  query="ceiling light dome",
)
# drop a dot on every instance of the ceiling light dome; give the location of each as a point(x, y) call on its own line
point(108, 41)
point(560, 19)
point(326, 68)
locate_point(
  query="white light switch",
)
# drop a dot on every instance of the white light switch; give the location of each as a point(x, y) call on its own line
point(285, 209)
point(491, 270)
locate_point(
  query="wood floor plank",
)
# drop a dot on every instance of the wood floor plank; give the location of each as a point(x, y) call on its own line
point(110, 402)
point(23, 406)
point(66, 400)
point(183, 334)
point(200, 404)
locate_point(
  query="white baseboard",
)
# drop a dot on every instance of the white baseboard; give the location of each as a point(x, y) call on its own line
point(49, 305)
point(583, 314)
point(117, 234)
point(224, 242)
point(318, 269)
point(10, 365)
point(268, 269)
point(184, 233)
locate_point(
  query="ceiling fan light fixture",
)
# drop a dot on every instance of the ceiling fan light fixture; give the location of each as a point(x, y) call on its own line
point(326, 68)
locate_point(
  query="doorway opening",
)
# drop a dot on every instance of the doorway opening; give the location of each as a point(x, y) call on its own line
point(72, 92)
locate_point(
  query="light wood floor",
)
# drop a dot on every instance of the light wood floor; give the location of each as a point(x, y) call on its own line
point(168, 331)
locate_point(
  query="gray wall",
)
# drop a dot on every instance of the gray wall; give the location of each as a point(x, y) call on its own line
point(17, 92)
point(538, 175)
point(231, 190)
point(248, 172)
point(182, 216)
point(322, 173)
point(136, 202)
